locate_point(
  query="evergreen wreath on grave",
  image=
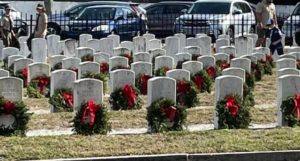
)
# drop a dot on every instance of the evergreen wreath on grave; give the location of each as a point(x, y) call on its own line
point(290, 108)
point(87, 57)
point(186, 94)
point(57, 66)
point(98, 76)
point(125, 98)
point(269, 59)
point(213, 72)
point(141, 83)
point(222, 64)
point(232, 113)
point(62, 100)
point(161, 71)
point(257, 70)
point(248, 97)
point(202, 81)
point(38, 87)
point(250, 80)
point(19, 111)
point(91, 119)
point(163, 115)
point(104, 68)
point(266, 66)
point(179, 63)
point(128, 56)
point(22, 74)
point(119, 67)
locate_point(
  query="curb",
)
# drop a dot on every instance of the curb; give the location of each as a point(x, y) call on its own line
point(292, 155)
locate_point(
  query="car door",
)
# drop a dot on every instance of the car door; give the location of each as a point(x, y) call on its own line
point(154, 17)
point(129, 22)
point(170, 14)
point(249, 18)
point(237, 18)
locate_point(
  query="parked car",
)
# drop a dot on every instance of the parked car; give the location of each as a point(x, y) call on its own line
point(20, 25)
point(291, 25)
point(56, 20)
point(102, 20)
point(161, 16)
point(232, 17)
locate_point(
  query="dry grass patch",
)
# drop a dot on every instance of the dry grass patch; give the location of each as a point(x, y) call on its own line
point(37, 104)
point(265, 90)
point(264, 115)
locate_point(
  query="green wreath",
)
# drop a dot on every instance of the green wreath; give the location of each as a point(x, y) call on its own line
point(161, 71)
point(141, 83)
point(57, 66)
point(202, 82)
point(267, 67)
point(234, 116)
point(269, 59)
point(62, 100)
point(125, 98)
point(22, 74)
point(87, 57)
point(222, 64)
point(213, 71)
point(38, 87)
point(186, 94)
point(19, 111)
point(248, 97)
point(163, 115)
point(289, 111)
point(85, 124)
point(250, 80)
point(257, 71)
point(99, 76)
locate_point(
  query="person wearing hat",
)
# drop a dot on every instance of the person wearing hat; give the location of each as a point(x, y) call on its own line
point(41, 22)
point(6, 27)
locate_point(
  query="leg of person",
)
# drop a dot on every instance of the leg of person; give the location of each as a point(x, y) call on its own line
point(261, 37)
point(272, 49)
point(280, 51)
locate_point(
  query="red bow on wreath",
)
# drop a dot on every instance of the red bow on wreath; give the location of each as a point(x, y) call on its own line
point(269, 58)
point(296, 109)
point(90, 109)
point(68, 98)
point(166, 69)
point(182, 88)
point(211, 71)
point(144, 83)
point(224, 66)
point(130, 95)
point(170, 113)
point(25, 72)
point(42, 83)
point(8, 107)
point(198, 80)
point(104, 68)
point(232, 106)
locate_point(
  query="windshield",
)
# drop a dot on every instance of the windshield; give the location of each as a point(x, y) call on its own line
point(297, 10)
point(76, 10)
point(98, 14)
point(210, 8)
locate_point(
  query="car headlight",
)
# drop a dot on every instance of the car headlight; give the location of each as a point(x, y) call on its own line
point(101, 28)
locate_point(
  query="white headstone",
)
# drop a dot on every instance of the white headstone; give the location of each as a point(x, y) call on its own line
point(220, 43)
point(142, 56)
point(195, 51)
point(11, 59)
point(120, 78)
point(94, 44)
point(127, 44)
point(120, 51)
point(116, 40)
point(4, 73)
point(182, 40)
point(83, 51)
point(101, 57)
point(239, 72)
point(38, 69)
point(205, 45)
point(83, 39)
point(71, 46)
point(243, 63)
point(296, 54)
point(62, 79)
point(52, 43)
point(207, 61)
point(192, 66)
point(287, 71)
point(229, 50)
point(179, 74)
point(226, 85)
point(172, 46)
point(139, 44)
point(11, 88)
point(191, 41)
point(141, 68)
point(222, 57)
point(183, 57)
point(157, 52)
point(107, 45)
point(68, 63)
point(259, 56)
point(88, 67)
point(285, 63)
point(9, 51)
point(54, 60)
point(39, 50)
point(148, 38)
point(241, 44)
point(161, 87)
point(154, 44)
point(117, 61)
point(164, 61)
point(22, 63)
point(288, 56)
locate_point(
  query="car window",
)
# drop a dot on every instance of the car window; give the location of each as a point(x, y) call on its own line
point(76, 10)
point(297, 10)
point(128, 13)
point(210, 8)
point(155, 10)
point(245, 8)
point(175, 9)
point(98, 14)
point(237, 7)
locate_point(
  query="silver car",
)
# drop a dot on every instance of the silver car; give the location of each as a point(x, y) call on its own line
point(291, 25)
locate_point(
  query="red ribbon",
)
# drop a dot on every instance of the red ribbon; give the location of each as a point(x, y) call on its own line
point(198, 80)
point(166, 69)
point(211, 71)
point(232, 106)
point(68, 98)
point(144, 83)
point(269, 58)
point(90, 109)
point(224, 66)
point(104, 67)
point(42, 83)
point(25, 73)
point(296, 109)
point(130, 95)
point(182, 88)
point(8, 107)
point(170, 113)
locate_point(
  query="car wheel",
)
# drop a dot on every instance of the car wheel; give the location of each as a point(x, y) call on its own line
point(53, 29)
point(230, 32)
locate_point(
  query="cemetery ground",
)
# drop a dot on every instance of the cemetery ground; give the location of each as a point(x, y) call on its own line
point(210, 141)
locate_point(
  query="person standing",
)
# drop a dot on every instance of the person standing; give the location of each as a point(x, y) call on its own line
point(265, 11)
point(6, 27)
point(41, 22)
